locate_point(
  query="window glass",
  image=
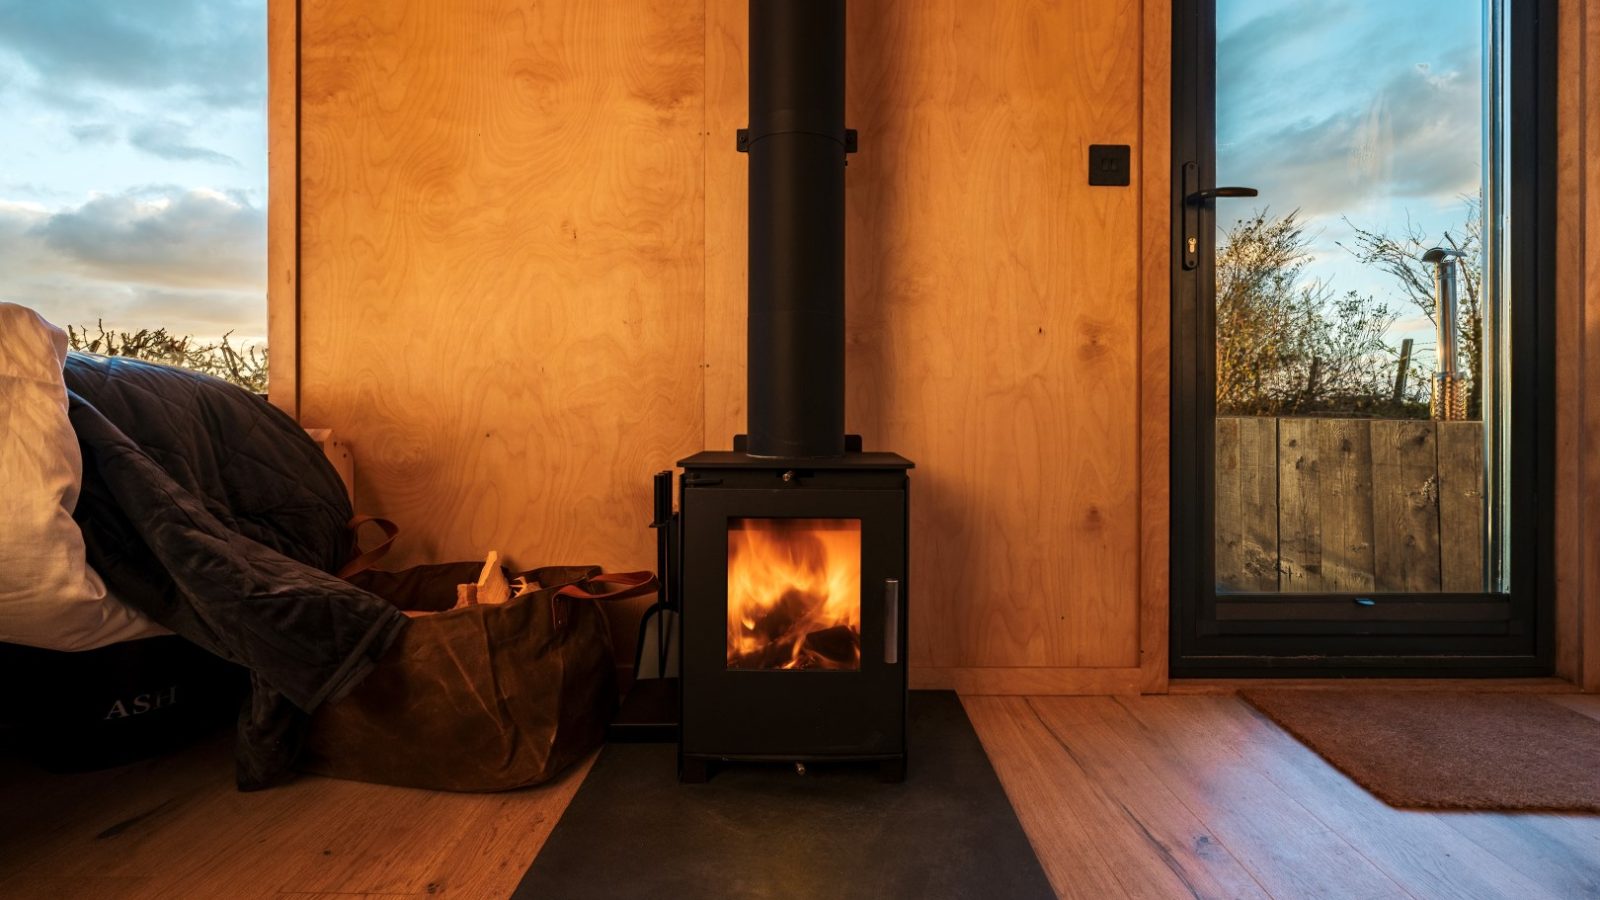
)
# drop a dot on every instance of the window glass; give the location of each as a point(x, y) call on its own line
point(1357, 378)
point(133, 176)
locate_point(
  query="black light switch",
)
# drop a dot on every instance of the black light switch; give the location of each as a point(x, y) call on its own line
point(1109, 165)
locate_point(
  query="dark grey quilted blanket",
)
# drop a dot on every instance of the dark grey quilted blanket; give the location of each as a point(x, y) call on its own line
point(212, 512)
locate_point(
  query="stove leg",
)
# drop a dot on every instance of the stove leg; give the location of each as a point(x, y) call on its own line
point(892, 771)
point(693, 771)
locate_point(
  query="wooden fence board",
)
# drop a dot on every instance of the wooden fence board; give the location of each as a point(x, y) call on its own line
point(1461, 507)
point(1247, 504)
point(1258, 466)
point(1228, 540)
point(1349, 505)
point(1344, 462)
point(1405, 505)
point(1299, 506)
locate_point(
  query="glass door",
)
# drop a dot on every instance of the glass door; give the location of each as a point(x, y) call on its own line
point(1360, 402)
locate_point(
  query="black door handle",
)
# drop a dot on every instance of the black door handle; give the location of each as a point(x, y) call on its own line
point(1194, 200)
point(1199, 197)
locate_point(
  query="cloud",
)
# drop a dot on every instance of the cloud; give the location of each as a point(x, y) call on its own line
point(169, 140)
point(157, 237)
point(191, 260)
point(94, 133)
point(1415, 138)
point(211, 50)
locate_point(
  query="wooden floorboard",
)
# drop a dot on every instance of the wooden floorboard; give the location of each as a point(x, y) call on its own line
point(176, 827)
point(1414, 848)
point(1478, 685)
point(1177, 796)
point(1252, 815)
point(1588, 704)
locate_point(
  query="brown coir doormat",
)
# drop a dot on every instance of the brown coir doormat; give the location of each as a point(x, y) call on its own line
point(1448, 750)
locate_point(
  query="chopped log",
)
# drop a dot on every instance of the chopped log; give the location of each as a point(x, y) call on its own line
point(492, 585)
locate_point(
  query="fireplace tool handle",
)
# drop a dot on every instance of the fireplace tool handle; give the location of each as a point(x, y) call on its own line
point(665, 523)
point(891, 630)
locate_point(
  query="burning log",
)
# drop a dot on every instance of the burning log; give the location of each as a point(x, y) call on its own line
point(838, 647)
point(788, 636)
point(794, 594)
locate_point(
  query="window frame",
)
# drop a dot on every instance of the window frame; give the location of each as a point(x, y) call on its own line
point(283, 205)
point(1484, 634)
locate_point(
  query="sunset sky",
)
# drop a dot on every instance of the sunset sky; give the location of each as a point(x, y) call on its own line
point(133, 162)
point(1362, 109)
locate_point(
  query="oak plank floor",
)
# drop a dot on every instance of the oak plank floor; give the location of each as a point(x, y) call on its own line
point(176, 827)
point(1178, 796)
point(1295, 823)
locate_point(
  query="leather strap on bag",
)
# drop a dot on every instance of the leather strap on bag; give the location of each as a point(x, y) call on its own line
point(632, 584)
point(365, 560)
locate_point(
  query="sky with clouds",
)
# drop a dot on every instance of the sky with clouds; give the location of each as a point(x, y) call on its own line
point(133, 149)
point(1366, 110)
point(133, 175)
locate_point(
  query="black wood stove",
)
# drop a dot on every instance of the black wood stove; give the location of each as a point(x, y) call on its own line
point(791, 548)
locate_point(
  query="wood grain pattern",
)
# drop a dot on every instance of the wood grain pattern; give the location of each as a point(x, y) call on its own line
point(283, 212)
point(1155, 342)
point(994, 311)
point(1094, 837)
point(1419, 851)
point(1250, 815)
point(1570, 552)
point(1577, 402)
point(1299, 513)
point(1578, 365)
point(1069, 825)
point(1358, 505)
point(1247, 511)
point(1344, 451)
point(1325, 514)
point(1589, 421)
point(1405, 505)
point(1120, 797)
point(501, 267)
point(1461, 506)
point(1024, 681)
point(177, 827)
point(1482, 685)
point(1297, 505)
point(522, 280)
point(339, 457)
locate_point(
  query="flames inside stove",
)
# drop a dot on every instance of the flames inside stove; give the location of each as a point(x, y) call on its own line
point(794, 593)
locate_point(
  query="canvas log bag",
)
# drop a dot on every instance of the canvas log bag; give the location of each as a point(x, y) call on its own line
point(478, 698)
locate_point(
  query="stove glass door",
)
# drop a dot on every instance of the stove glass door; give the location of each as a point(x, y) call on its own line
point(794, 594)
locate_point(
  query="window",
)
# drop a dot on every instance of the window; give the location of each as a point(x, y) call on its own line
point(133, 176)
point(1361, 342)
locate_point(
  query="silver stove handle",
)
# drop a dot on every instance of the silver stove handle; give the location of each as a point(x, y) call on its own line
point(891, 631)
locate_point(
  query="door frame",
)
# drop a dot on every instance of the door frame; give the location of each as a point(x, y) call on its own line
point(283, 205)
point(1311, 643)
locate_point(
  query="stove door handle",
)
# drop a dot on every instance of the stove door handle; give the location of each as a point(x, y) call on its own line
point(891, 630)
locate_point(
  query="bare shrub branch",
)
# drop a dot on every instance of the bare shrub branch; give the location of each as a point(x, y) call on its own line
point(243, 366)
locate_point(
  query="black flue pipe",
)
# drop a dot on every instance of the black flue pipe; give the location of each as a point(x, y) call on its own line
point(796, 142)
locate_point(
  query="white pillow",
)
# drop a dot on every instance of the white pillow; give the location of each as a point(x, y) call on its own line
point(49, 596)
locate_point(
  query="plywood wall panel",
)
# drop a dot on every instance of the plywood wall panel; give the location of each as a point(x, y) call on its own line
point(523, 291)
point(1577, 402)
point(994, 310)
point(502, 266)
point(1155, 344)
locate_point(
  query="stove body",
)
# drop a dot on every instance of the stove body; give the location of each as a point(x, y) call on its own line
point(757, 684)
point(791, 549)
